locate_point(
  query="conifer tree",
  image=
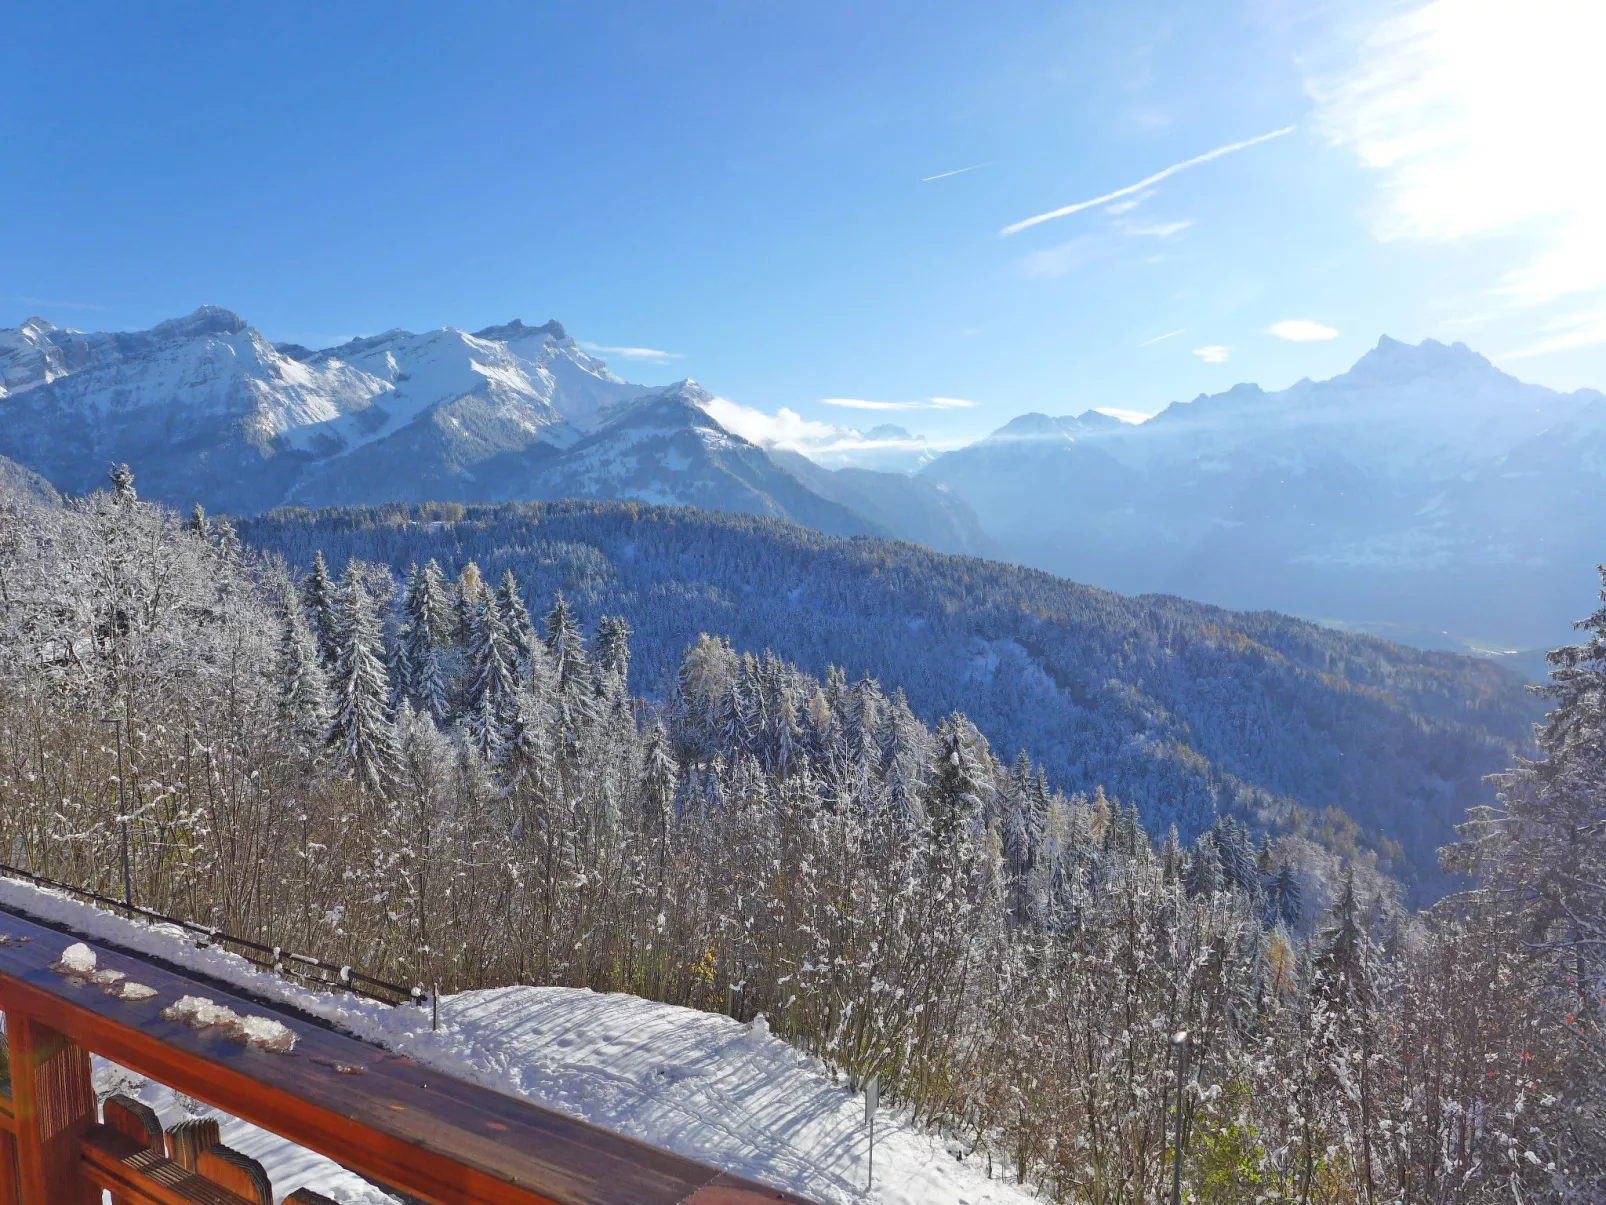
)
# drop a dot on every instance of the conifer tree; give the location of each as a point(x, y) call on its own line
point(613, 648)
point(318, 600)
point(424, 622)
point(360, 731)
point(122, 479)
point(304, 691)
point(515, 617)
point(466, 594)
point(492, 674)
point(567, 645)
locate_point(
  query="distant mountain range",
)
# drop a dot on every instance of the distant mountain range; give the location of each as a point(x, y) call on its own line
point(1424, 495)
point(207, 410)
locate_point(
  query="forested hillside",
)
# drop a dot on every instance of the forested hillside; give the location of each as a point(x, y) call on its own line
point(434, 785)
point(1184, 710)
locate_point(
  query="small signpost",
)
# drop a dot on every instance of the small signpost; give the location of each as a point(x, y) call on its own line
point(872, 1098)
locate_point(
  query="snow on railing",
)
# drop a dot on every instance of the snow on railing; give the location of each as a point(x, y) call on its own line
point(304, 968)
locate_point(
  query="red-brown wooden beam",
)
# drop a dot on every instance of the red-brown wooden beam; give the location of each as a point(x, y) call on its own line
point(431, 1136)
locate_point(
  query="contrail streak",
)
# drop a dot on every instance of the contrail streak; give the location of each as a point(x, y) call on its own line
point(1167, 335)
point(1141, 184)
point(959, 171)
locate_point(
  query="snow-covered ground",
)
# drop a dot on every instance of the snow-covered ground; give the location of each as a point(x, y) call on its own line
point(701, 1085)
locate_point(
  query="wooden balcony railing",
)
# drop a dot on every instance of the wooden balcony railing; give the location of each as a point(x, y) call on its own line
point(424, 1134)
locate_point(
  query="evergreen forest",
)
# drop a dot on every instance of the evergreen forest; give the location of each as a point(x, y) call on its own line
point(1101, 888)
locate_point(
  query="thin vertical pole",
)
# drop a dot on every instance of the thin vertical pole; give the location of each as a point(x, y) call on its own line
point(870, 1183)
point(122, 817)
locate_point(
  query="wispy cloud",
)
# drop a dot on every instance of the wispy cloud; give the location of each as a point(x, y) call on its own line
point(61, 305)
point(1564, 334)
point(1167, 335)
point(1067, 210)
point(1478, 125)
point(1056, 261)
point(825, 442)
point(1215, 353)
point(649, 354)
point(932, 403)
point(958, 171)
point(1154, 229)
point(1301, 330)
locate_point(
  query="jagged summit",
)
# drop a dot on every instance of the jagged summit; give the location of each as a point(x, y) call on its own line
point(1393, 359)
point(206, 320)
point(516, 329)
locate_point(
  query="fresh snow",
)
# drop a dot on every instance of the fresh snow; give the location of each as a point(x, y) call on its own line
point(699, 1084)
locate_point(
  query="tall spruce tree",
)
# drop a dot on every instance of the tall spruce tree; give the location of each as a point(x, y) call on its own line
point(492, 678)
point(424, 624)
point(318, 600)
point(360, 731)
point(515, 617)
point(303, 688)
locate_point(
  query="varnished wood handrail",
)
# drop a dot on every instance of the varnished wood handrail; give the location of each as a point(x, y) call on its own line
point(428, 1135)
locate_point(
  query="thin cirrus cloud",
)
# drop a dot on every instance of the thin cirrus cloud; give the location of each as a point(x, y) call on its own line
point(1214, 353)
point(650, 355)
point(1163, 173)
point(1477, 126)
point(931, 403)
point(1301, 330)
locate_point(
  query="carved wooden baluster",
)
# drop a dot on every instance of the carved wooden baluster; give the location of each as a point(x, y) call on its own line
point(53, 1102)
point(188, 1139)
point(239, 1173)
point(134, 1118)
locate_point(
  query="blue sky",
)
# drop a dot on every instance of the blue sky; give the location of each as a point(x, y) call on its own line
point(806, 202)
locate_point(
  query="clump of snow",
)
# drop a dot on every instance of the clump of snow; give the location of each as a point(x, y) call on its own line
point(77, 959)
point(699, 1084)
point(200, 1013)
point(272, 1036)
point(107, 978)
point(135, 991)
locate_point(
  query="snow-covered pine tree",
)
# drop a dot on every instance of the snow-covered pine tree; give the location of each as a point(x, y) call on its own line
point(516, 623)
point(613, 651)
point(360, 731)
point(197, 523)
point(228, 540)
point(425, 619)
point(492, 677)
point(466, 593)
point(304, 690)
point(318, 600)
point(567, 645)
point(122, 479)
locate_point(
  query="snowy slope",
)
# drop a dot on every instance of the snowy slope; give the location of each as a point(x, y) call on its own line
point(698, 1084)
